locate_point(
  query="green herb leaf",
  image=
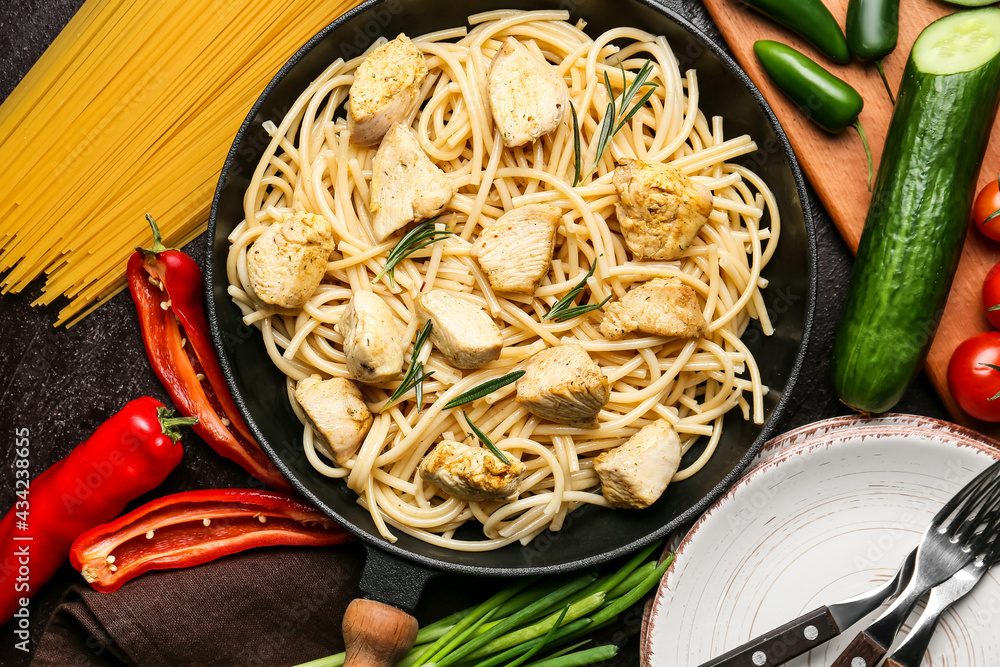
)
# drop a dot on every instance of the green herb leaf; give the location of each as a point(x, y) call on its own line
point(570, 313)
point(638, 105)
point(604, 140)
point(415, 376)
point(416, 239)
point(616, 116)
point(485, 440)
point(992, 308)
point(992, 215)
point(559, 311)
point(484, 389)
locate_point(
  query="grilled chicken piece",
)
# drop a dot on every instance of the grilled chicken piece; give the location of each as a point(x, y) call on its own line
point(287, 262)
point(662, 306)
point(337, 412)
point(635, 474)
point(463, 332)
point(516, 250)
point(406, 185)
point(373, 343)
point(661, 210)
point(471, 473)
point(527, 96)
point(564, 385)
point(386, 90)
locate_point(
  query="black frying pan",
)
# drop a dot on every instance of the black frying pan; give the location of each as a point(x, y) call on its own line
point(395, 573)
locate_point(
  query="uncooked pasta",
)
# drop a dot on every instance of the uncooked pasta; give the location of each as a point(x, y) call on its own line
point(311, 166)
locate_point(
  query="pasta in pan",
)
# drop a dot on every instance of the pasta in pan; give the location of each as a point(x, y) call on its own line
point(690, 383)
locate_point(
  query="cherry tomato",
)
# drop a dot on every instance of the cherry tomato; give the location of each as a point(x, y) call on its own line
point(974, 376)
point(988, 204)
point(991, 296)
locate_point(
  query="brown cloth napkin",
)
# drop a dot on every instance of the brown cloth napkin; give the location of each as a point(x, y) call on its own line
point(264, 607)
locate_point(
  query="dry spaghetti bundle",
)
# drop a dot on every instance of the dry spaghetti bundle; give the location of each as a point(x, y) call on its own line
point(311, 165)
point(130, 111)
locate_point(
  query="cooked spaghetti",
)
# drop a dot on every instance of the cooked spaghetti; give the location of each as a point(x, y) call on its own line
point(310, 165)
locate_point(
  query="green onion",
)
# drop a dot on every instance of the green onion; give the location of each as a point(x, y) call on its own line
point(514, 620)
point(415, 376)
point(580, 658)
point(416, 239)
point(542, 641)
point(564, 309)
point(576, 610)
point(524, 619)
point(486, 441)
point(616, 116)
point(475, 615)
point(484, 389)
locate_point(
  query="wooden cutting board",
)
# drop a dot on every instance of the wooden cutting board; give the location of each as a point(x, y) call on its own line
point(836, 166)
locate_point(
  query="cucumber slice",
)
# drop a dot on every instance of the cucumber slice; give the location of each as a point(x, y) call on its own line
point(972, 3)
point(920, 207)
point(958, 42)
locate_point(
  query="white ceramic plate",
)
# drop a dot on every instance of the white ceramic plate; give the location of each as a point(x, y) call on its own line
point(829, 515)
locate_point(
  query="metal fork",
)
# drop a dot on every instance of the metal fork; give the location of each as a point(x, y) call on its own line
point(911, 652)
point(955, 536)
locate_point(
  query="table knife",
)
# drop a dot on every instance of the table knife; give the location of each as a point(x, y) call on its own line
point(813, 628)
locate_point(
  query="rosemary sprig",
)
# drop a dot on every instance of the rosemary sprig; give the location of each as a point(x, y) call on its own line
point(564, 310)
point(616, 116)
point(484, 389)
point(416, 239)
point(415, 376)
point(483, 438)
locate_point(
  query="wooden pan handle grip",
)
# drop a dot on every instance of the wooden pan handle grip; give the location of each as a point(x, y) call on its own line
point(863, 651)
point(376, 634)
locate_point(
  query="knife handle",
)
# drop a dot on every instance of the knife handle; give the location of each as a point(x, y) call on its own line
point(863, 651)
point(782, 644)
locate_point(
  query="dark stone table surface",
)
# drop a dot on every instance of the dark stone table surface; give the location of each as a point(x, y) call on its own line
point(62, 383)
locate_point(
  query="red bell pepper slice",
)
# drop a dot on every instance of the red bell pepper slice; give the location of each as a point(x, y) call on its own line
point(166, 286)
point(195, 527)
point(128, 455)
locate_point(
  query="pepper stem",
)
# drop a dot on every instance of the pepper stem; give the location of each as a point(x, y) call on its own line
point(868, 152)
point(170, 425)
point(158, 246)
point(885, 81)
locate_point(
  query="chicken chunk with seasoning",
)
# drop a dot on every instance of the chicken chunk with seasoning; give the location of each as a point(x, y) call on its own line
point(471, 473)
point(406, 186)
point(337, 411)
point(373, 342)
point(462, 331)
point(637, 473)
point(516, 250)
point(386, 90)
point(662, 307)
point(661, 210)
point(527, 96)
point(287, 262)
point(564, 385)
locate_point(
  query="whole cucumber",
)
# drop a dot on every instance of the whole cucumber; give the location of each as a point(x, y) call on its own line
point(919, 212)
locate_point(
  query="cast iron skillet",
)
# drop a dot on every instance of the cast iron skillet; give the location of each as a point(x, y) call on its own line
point(395, 573)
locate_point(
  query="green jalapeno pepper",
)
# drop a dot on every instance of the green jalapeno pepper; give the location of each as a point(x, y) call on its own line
point(872, 32)
point(810, 19)
point(829, 101)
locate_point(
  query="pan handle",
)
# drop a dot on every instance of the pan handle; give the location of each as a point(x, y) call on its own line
point(380, 629)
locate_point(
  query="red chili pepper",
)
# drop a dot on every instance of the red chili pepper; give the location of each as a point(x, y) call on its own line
point(128, 455)
point(166, 286)
point(195, 527)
